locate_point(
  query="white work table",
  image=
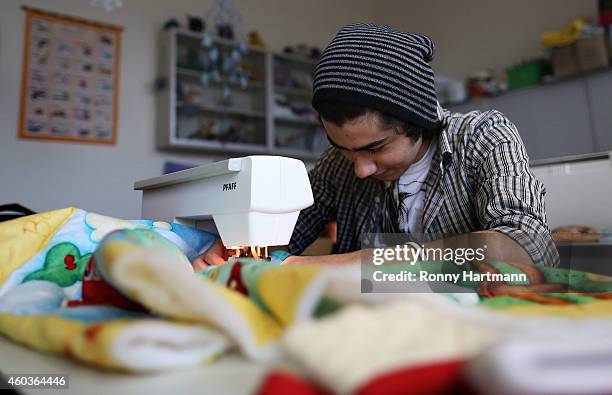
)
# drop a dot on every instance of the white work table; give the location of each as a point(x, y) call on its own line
point(230, 375)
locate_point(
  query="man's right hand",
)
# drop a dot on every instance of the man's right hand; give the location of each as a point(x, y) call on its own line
point(216, 254)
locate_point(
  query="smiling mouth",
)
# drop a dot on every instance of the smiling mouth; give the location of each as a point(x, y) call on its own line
point(381, 175)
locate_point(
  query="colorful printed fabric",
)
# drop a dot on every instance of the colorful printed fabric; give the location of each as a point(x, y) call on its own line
point(44, 260)
point(87, 286)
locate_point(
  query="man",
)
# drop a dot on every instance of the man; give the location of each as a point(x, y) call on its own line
point(399, 163)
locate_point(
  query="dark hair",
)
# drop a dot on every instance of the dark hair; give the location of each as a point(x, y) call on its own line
point(340, 113)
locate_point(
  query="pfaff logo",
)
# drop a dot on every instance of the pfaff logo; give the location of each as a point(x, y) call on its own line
point(229, 187)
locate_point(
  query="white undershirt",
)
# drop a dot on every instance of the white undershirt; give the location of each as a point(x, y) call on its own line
point(411, 193)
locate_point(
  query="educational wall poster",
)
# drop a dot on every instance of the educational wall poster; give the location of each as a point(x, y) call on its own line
point(70, 79)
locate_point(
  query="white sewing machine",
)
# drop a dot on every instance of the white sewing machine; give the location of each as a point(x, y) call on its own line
point(254, 201)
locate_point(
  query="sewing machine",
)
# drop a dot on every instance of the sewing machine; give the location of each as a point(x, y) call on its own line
point(254, 201)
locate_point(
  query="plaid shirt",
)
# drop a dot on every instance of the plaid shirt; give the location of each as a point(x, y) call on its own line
point(479, 180)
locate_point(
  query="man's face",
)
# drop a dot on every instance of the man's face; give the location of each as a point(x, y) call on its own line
point(375, 151)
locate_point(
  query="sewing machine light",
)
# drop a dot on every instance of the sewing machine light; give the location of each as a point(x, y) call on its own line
point(255, 252)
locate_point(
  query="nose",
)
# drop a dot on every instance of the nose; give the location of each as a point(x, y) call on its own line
point(364, 167)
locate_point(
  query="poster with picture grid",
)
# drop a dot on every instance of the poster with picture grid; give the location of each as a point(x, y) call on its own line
point(70, 79)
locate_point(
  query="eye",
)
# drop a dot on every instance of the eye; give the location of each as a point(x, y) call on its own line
point(372, 151)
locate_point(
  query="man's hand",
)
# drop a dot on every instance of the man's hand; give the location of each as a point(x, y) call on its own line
point(217, 254)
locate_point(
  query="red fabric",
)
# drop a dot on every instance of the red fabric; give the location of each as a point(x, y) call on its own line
point(441, 378)
point(433, 379)
point(283, 383)
point(96, 291)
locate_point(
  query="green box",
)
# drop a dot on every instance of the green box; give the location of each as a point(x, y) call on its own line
point(526, 74)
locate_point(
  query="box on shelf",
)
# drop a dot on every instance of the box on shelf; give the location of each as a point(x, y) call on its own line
point(586, 54)
point(564, 61)
point(526, 74)
point(592, 53)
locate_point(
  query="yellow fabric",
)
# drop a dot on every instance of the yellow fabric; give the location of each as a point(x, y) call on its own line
point(89, 343)
point(283, 287)
point(595, 309)
point(44, 333)
point(565, 36)
point(22, 238)
point(165, 283)
point(264, 328)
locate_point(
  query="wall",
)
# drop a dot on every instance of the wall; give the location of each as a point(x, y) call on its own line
point(474, 34)
point(45, 176)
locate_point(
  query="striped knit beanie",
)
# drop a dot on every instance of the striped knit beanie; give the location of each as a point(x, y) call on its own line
point(382, 69)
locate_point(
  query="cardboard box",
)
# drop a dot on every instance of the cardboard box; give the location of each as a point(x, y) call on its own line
point(592, 53)
point(564, 62)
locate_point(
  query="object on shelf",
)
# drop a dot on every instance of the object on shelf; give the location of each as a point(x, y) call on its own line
point(483, 83)
point(195, 23)
point(579, 47)
point(171, 24)
point(315, 53)
point(252, 72)
point(527, 73)
point(293, 140)
point(226, 64)
point(224, 130)
point(564, 36)
point(592, 53)
point(564, 61)
point(189, 93)
point(449, 90)
point(284, 108)
point(312, 140)
point(255, 40)
point(225, 20)
point(605, 12)
point(303, 51)
point(285, 76)
point(586, 54)
point(226, 31)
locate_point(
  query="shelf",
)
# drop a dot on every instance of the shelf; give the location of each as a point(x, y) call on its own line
point(298, 121)
point(198, 74)
point(255, 102)
point(295, 59)
point(215, 145)
point(552, 82)
point(224, 110)
point(287, 90)
point(217, 40)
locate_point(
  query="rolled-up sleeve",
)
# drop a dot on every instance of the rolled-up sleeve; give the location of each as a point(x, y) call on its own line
point(509, 198)
point(312, 220)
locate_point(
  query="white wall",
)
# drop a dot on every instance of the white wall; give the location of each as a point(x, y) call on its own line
point(46, 175)
point(474, 34)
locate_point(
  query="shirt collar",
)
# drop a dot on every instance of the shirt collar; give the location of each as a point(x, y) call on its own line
point(444, 146)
